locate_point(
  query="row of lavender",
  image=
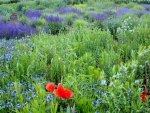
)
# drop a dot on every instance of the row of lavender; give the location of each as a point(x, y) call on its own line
point(54, 23)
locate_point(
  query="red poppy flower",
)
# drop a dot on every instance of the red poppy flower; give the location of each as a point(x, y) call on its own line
point(50, 87)
point(144, 96)
point(63, 93)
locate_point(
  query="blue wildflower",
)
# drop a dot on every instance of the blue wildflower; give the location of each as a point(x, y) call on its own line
point(8, 103)
point(10, 84)
point(49, 98)
point(95, 103)
point(28, 98)
point(13, 93)
point(18, 106)
point(31, 86)
point(97, 112)
point(33, 95)
point(1, 92)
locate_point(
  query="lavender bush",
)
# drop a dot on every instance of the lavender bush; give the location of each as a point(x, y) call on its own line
point(34, 13)
point(146, 6)
point(99, 17)
point(65, 10)
point(123, 11)
point(55, 19)
point(55, 24)
point(9, 30)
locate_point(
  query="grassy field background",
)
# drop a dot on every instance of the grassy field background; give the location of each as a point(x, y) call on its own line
point(99, 49)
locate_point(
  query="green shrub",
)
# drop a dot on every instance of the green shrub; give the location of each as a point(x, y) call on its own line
point(6, 18)
point(131, 5)
point(80, 24)
point(49, 4)
point(72, 2)
point(20, 6)
point(56, 28)
point(112, 25)
point(80, 6)
point(8, 1)
point(42, 22)
point(40, 7)
point(138, 7)
point(4, 9)
point(14, 1)
point(145, 21)
point(70, 18)
point(128, 1)
point(23, 19)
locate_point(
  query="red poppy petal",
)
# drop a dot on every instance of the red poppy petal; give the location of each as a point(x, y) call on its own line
point(59, 92)
point(60, 86)
point(144, 96)
point(50, 87)
point(68, 94)
point(63, 93)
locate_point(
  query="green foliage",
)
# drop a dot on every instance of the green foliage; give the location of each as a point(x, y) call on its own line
point(72, 2)
point(80, 6)
point(138, 7)
point(56, 28)
point(41, 22)
point(20, 6)
point(145, 21)
point(42, 4)
point(4, 9)
point(112, 26)
point(80, 24)
point(128, 1)
point(104, 64)
point(23, 19)
point(8, 1)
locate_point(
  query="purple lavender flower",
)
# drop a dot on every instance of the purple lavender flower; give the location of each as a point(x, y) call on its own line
point(56, 19)
point(109, 13)
point(14, 30)
point(146, 6)
point(65, 10)
point(98, 17)
point(141, 12)
point(34, 13)
point(123, 11)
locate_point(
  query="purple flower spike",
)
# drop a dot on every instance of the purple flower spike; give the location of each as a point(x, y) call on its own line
point(14, 30)
point(123, 11)
point(34, 13)
point(146, 6)
point(56, 19)
point(98, 17)
point(65, 10)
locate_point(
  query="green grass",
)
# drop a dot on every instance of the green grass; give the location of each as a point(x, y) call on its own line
point(85, 57)
point(104, 67)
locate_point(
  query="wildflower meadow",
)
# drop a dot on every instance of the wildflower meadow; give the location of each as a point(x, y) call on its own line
point(74, 56)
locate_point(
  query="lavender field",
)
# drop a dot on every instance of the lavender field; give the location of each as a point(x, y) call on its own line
point(74, 56)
